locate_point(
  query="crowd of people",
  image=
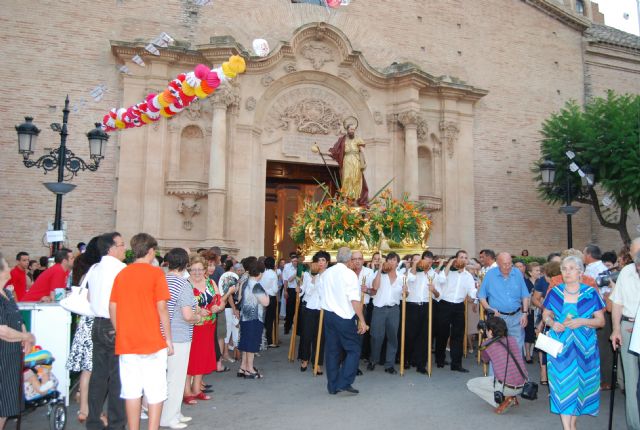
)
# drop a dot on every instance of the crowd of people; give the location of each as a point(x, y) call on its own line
point(160, 324)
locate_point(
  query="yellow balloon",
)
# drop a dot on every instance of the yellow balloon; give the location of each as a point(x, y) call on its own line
point(237, 63)
point(145, 118)
point(228, 71)
point(165, 114)
point(164, 103)
point(120, 124)
point(188, 89)
point(200, 92)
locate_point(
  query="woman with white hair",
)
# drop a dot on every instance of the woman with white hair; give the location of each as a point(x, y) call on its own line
point(574, 311)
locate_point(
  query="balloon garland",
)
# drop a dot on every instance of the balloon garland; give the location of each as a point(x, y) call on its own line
point(178, 95)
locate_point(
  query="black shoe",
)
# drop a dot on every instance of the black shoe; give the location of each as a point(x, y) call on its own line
point(207, 390)
point(459, 369)
point(421, 370)
point(359, 372)
point(390, 371)
point(286, 332)
point(371, 366)
point(349, 390)
point(303, 369)
point(207, 385)
point(439, 365)
point(446, 363)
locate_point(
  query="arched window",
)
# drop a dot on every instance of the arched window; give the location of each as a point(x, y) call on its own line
point(580, 6)
point(194, 155)
point(425, 172)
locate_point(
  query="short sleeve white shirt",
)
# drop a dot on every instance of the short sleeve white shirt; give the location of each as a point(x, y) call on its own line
point(627, 290)
point(269, 282)
point(290, 272)
point(388, 294)
point(338, 289)
point(367, 274)
point(100, 282)
point(455, 286)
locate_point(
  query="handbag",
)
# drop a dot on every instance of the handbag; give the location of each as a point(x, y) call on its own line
point(78, 301)
point(529, 389)
point(549, 345)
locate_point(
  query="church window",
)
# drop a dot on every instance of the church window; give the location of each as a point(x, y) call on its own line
point(580, 6)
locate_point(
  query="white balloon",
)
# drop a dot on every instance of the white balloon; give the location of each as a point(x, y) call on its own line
point(261, 47)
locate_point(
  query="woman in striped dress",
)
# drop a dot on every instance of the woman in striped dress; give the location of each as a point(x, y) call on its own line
point(574, 311)
point(13, 339)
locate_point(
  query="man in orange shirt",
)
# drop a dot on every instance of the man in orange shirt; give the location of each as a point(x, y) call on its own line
point(19, 276)
point(137, 307)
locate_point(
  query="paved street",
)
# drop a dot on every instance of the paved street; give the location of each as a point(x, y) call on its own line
point(289, 399)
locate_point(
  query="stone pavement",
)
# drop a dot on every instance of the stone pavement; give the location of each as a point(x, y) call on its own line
point(289, 399)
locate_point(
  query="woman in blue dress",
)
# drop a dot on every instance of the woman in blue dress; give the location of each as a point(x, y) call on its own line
point(574, 311)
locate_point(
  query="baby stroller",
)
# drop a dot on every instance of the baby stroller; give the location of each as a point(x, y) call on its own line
point(39, 389)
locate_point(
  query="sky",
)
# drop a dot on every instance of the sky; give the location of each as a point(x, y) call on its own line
point(620, 14)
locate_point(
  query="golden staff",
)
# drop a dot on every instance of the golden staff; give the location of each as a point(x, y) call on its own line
point(429, 335)
point(315, 364)
point(480, 332)
point(402, 330)
point(466, 329)
point(292, 342)
point(276, 323)
point(362, 285)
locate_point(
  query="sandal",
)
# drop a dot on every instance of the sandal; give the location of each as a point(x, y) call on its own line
point(224, 369)
point(202, 396)
point(241, 374)
point(544, 382)
point(189, 400)
point(253, 376)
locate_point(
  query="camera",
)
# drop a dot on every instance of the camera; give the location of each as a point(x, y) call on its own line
point(498, 397)
point(604, 278)
point(482, 324)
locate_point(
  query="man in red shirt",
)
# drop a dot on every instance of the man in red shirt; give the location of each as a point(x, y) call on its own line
point(54, 277)
point(19, 276)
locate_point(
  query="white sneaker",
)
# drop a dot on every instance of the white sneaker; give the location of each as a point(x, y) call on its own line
point(184, 419)
point(178, 426)
point(143, 415)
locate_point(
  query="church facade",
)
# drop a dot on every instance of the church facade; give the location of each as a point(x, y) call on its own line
point(449, 99)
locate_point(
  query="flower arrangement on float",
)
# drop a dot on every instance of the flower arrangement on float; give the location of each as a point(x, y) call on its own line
point(388, 224)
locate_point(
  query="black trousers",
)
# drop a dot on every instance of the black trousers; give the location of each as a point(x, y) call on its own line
point(291, 309)
point(105, 378)
point(417, 334)
point(269, 319)
point(450, 326)
point(309, 336)
point(366, 338)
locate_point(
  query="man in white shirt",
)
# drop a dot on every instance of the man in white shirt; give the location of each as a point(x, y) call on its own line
point(105, 377)
point(592, 261)
point(420, 284)
point(290, 281)
point(387, 291)
point(454, 284)
point(269, 282)
point(625, 298)
point(365, 279)
point(340, 299)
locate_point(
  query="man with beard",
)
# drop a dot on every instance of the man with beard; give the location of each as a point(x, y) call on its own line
point(453, 284)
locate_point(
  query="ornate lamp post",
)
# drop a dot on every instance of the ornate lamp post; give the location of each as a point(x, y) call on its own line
point(60, 158)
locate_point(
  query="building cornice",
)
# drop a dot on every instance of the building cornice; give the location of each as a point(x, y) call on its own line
point(561, 14)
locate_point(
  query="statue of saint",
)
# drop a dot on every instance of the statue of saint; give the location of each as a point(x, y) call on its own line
point(348, 152)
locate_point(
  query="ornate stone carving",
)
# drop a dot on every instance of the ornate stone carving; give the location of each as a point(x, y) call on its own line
point(423, 130)
point(364, 93)
point(188, 208)
point(194, 111)
point(392, 122)
point(192, 132)
point(307, 110)
point(266, 80)
point(377, 117)
point(188, 192)
point(290, 68)
point(408, 118)
point(250, 104)
point(344, 74)
point(317, 54)
point(437, 145)
point(224, 96)
point(449, 131)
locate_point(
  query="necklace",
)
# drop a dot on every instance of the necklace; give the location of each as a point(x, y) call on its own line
point(573, 293)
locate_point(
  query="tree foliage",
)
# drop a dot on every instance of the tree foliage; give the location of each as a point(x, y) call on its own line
point(604, 135)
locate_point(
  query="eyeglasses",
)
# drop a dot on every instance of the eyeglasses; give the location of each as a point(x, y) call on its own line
point(196, 270)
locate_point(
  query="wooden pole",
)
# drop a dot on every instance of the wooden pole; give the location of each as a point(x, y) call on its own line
point(276, 322)
point(292, 342)
point(480, 332)
point(403, 326)
point(320, 321)
point(466, 329)
point(430, 332)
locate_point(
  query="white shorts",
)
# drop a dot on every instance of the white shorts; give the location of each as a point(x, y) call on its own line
point(144, 374)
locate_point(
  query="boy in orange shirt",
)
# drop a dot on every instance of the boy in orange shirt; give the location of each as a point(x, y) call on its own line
point(137, 307)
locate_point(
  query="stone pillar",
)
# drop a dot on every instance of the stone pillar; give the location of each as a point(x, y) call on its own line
point(217, 190)
point(409, 121)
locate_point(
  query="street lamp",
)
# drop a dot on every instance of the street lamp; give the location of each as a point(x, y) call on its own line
point(548, 173)
point(60, 158)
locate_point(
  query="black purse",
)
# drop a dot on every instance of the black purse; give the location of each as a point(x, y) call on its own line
point(529, 389)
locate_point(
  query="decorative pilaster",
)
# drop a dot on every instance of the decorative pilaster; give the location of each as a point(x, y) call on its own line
point(449, 131)
point(410, 120)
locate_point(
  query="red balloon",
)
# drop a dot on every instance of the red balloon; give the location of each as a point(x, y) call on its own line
point(333, 3)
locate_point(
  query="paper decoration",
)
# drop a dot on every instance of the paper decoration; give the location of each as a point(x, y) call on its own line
point(138, 60)
point(152, 49)
point(201, 2)
point(179, 94)
point(98, 92)
point(77, 106)
point(261, 47)
point(163, 40)
point(124, 69)
point(334, 4)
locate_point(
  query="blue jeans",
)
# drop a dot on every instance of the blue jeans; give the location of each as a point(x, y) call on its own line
point(514, 328)
point(341, 335)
